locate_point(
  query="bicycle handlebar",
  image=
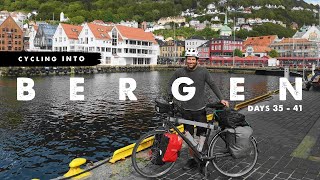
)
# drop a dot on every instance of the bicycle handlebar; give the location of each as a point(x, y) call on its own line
point(217, 105)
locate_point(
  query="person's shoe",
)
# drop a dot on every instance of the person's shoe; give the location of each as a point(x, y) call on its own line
point(191, 163)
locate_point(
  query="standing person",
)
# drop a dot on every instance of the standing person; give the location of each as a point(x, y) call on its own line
point(194, 109)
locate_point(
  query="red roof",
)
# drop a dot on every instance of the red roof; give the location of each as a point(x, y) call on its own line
point(100, 31)
point(135, 33)
point(260, 40)
point(72, 31)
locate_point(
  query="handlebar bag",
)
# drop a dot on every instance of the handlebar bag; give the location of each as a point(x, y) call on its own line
point(162, 106)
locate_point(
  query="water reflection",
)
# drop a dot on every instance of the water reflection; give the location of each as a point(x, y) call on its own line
point(40, 137)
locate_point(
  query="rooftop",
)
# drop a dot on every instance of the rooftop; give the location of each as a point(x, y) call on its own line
point(135, 33)
point(100, 31)
point(72, 31)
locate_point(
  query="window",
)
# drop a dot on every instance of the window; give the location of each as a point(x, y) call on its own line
point(147, 61)
point(92, 39)
point(103, 49)
point(108, 49)
point(15, 42)
point(19, 36)
point(108, 60)
point(114, 37)
point(64, 39)
point(139, 42)
point(135, 61)
point(119, 50)
point(126, 50)
point(133, 42)
point(132, 51)
point(140, 60)
point(86, 31)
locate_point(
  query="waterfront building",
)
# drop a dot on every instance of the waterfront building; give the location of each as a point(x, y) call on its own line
point(224, 45)
point(172, 49)
point(11, 35)
point(33, 29)
point(194, 42)
point(43, 38)
point(259, 46)
point(292, 51)
point(119, 45)
point(204, 52)
point(65, 37)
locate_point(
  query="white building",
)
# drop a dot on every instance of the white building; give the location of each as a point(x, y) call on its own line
point(129, 23)
point(119, 45)
point(62, 18)
point(66, 37)
point(194, 42)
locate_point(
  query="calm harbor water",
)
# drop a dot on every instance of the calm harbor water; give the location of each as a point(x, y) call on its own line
point(39, 138)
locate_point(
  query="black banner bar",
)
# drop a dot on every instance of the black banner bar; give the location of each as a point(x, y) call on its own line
point(49, 59)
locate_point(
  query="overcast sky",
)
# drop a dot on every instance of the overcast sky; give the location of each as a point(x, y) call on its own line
point(313, 1)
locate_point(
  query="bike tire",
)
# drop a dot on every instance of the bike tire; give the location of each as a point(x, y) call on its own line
point(141, 159)
point(225, 163)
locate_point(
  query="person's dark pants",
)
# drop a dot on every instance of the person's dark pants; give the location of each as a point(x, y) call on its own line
point(199, 116)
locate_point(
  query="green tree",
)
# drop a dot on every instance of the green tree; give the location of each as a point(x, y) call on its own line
point(77, 20)
point(273, 53)
point(238, 52)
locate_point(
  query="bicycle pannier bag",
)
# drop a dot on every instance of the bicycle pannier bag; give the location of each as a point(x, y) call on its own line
point(174, 146)
point(158, 149)
point(229, 118)
point(239, 141)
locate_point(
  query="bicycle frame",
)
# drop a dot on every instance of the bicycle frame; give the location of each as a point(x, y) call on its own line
point(184, 121)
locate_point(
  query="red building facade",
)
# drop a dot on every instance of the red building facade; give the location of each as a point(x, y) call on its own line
point(224, 46)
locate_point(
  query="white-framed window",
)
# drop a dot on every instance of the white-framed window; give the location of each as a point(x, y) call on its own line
point(114, 37)
point(108, 60)
point(140, 60)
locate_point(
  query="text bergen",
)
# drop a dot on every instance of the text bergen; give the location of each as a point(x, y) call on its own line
point(124, 91)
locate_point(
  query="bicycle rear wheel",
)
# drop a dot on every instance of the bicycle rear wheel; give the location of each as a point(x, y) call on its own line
point(143, 158)
point(228, 165)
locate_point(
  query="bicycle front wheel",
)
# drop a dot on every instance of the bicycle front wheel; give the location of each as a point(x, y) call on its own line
point(228, 165)
point(144, 159)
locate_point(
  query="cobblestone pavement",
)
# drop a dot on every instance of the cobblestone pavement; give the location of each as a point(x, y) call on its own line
point(288, 142)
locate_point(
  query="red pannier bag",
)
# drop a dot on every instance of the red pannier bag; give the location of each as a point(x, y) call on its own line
point(174, 146)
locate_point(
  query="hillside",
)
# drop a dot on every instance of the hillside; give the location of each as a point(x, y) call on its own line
point(151, 10)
